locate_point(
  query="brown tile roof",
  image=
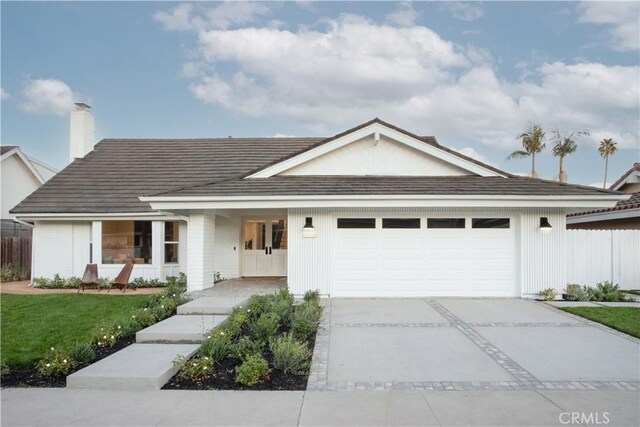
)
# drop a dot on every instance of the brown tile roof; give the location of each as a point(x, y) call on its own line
point(112, 177)
point(290, 185)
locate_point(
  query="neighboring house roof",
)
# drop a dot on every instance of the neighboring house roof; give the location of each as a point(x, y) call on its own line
point(111, 178)
point(32, 164)
point(6, 148)
point(632, 203)
point(625, 177)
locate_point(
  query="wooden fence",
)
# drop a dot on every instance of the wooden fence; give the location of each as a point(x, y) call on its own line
point(15, 253)
point(604, 255)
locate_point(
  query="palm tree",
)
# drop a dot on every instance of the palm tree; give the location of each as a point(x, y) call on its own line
point(607, 148)
point(533, 143)
point(565, 145)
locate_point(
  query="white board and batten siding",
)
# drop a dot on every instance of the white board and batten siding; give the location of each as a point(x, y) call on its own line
point(595, 256)
point(64, 248)
point(480, 262)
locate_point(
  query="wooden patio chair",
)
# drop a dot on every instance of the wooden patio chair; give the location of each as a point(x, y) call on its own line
point(90, 278)
point(122, 281)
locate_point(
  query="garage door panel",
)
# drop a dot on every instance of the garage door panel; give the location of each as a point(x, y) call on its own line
point(424, 262)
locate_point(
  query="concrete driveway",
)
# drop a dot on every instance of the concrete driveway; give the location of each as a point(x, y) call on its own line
point(468, 344)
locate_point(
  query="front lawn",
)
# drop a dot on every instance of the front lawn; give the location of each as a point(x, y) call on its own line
point(623, 319)
point(31, 324)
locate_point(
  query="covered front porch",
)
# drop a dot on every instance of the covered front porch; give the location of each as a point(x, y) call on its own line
point(242, 287)
point(237, 243)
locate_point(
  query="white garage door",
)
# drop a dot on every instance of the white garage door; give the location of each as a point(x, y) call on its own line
point(393, 255)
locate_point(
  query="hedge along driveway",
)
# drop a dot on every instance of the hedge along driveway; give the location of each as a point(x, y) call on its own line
point(31, 324)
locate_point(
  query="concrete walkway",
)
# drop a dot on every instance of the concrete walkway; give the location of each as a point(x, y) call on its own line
point(68, 407)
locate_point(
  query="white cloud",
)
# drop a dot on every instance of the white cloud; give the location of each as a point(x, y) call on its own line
point(47, 97)
point(186, 17)
point(404, 15)
point(4, 94)
point(353, 69)
point(621, 18)
point(465, 11)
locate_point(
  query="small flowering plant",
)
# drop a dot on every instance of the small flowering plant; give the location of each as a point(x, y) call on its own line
point(106, 336)
point(56, 362)
point(194, 369)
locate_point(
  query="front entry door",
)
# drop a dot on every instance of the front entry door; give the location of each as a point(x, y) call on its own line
point(265, 247)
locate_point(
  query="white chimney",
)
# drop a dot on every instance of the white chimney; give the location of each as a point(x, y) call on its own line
point(82, 132)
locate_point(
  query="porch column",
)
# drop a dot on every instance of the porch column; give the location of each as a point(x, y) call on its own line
point(202, 231)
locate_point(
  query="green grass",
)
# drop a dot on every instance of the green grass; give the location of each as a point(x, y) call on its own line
point(623, 319)
point(31, 324)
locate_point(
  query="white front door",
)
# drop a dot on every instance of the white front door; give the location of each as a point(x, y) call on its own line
point(264, 251)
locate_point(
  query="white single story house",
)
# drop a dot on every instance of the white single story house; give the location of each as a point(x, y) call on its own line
point(375, 211)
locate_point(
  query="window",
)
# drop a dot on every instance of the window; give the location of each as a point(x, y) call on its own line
point(445, 223)
point(171, 241)
point(356, 223)
point(400, 222)
point(125, 242)
point(255, 234)
point(490, 223)
point(279, 234)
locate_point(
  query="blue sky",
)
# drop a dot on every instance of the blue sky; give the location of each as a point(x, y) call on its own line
point(473, 74)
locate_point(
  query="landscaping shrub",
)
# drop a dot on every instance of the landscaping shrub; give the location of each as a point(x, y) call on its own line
point(577, 293)
point(56, 362)
point(290, 355)
point(83, 353)
point(259, 304)
point(306, 319)
point(129, 327)
point(607, 291)
point(106, 336)
point(312, 297)
point(230, 329)
point(216, 346)
point(252, 371)
point(9, 273)
point(238, 316)
point(140, 282)
point(145, 317)
point(245, 347)
point(265, 327)
point(72, 283)
point(197, 368)
point(283, 306)
point(548, 294)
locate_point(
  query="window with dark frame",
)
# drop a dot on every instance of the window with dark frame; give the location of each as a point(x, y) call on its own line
point(445, 222)
point(490, 223)
point(356, 223)
point(400, 222)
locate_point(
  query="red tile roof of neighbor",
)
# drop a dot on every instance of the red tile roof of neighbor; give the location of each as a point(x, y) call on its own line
point(116, 173)
point(632, 203)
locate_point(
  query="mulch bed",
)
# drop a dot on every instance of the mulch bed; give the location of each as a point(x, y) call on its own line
point(223, 377)
point(31, 377)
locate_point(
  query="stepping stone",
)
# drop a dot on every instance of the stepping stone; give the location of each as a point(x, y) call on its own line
point(137, 367)
point(212, 305)
point(181, 329)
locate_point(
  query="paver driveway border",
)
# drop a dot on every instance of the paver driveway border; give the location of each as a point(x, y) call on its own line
point(524, 380)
